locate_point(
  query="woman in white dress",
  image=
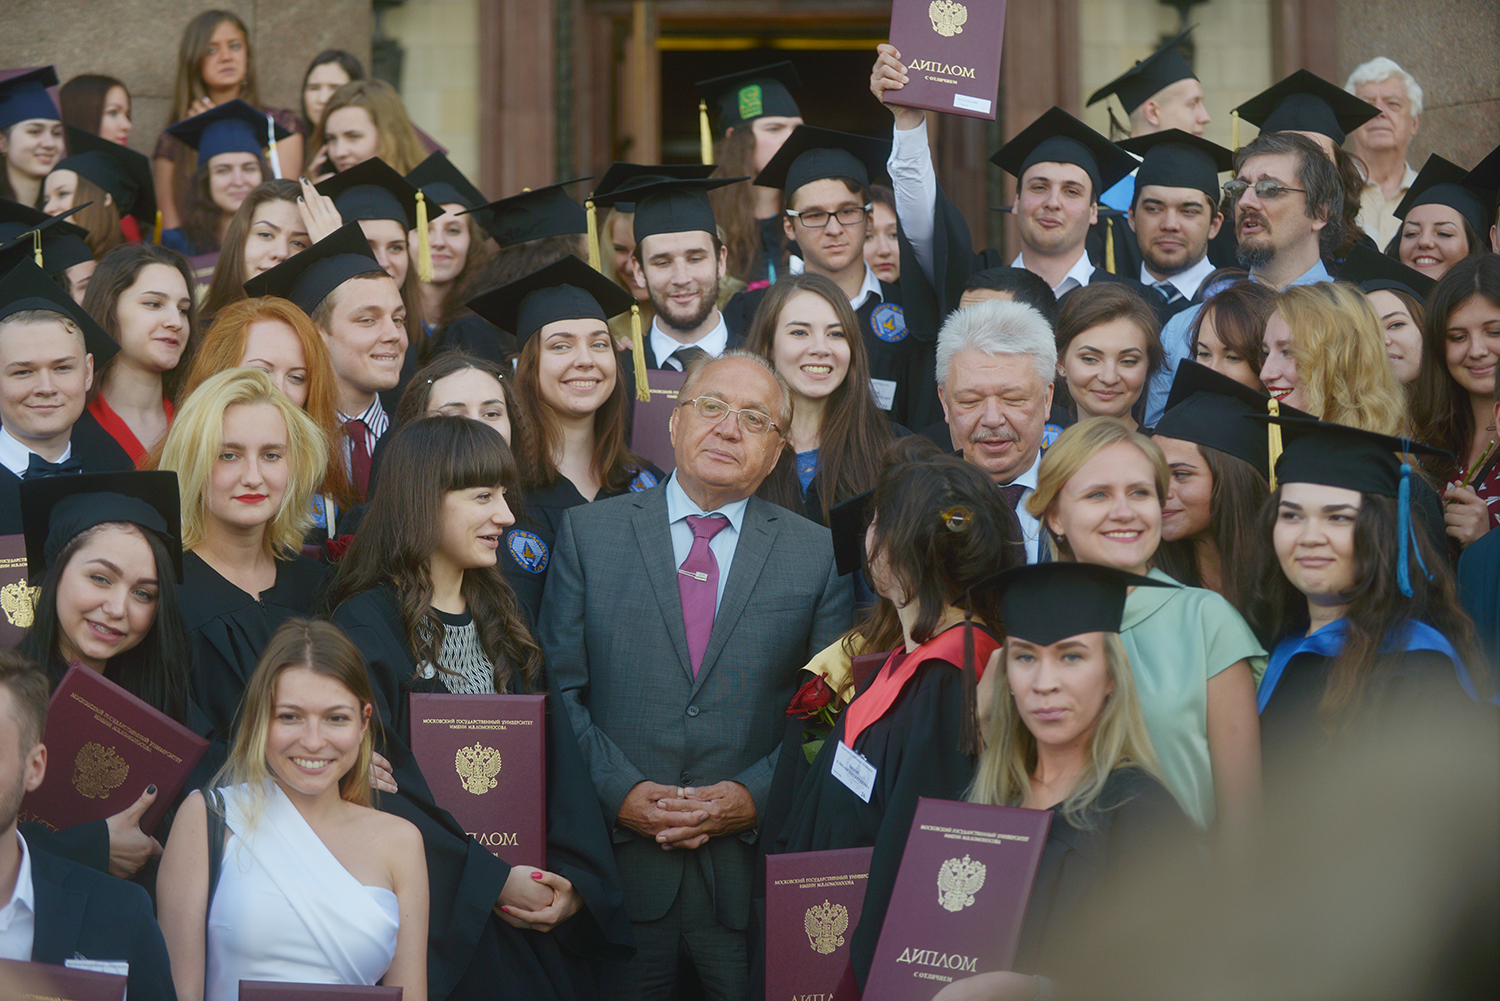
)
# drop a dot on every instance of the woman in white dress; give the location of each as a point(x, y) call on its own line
point(314, 885)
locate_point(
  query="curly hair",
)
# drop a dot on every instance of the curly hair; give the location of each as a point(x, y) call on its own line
point(1338, 345)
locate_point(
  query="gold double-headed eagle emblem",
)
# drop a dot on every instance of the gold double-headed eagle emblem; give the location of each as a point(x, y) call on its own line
point(825, 924)
point(958, 880)
point(477, 767)
point(18, 601)
point(98, 770)
point(948, 17)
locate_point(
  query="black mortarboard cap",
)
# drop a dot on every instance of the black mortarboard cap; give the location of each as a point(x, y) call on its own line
point(24, 97)
point(1208, 409)
point(444, 184)
point(1486, 176)
point(62, 242)
point(231, 127)
point(25, 286)
point(535, 215)
point(669, 206)
point(1305, 102)
point(1442, 182)
point(848, 521)
point(122, 172)
point(619, 182)
point(564, 290)
point(308, 277)
point(1059, 137)
point(750, 94)
point(1373, 271)
point(1334, 455)
point(1048, 602)
point(1177, 159)
point(1161, 69)
point(812, 154)
point(372, 190)
point(54, 509)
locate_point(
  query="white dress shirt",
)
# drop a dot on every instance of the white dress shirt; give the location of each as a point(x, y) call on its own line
point(714, 343)
point(18, 916)
point(1079, 274)
point(1186, 281)
point(679, 506)
point(16, 456)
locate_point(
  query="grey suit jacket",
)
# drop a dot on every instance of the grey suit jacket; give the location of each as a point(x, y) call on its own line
point(611, 626)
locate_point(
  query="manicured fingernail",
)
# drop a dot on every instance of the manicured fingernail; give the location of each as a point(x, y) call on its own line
point(505, 909)
point(536, 875)
point(151, 789)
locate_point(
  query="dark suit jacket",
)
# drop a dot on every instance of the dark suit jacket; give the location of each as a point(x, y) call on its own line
point(612, 629)
point(83, 913)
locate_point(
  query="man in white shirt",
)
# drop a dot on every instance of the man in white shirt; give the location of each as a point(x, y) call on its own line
point(1175, 212)
point(1382, 142)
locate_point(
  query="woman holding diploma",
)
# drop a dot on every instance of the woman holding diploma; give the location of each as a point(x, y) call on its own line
point(422, 598)
point(315, 887)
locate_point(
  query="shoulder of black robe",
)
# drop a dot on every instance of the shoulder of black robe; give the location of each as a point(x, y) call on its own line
point(739, 311)
point(10, 502)
point(1223, 250)
point(97, 448)
point(1127, 248)
point(477, 336)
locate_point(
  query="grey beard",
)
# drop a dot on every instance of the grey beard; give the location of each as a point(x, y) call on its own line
point(1254, 257)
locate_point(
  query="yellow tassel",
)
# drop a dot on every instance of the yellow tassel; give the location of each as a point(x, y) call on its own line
point(705, 135)
point(593, 236)
point(1234, 129)
point(424, 241)
point(638, 349)
point(156, 231)
point(1109, 245)
point(36, 247)
point(1274, 440)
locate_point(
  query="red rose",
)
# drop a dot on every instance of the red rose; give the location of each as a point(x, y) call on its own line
point(337, 547)
point(810, 698)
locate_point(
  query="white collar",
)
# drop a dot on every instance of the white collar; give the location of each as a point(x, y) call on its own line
point(25, 891)
point(1186, 281)
point(871, 285)
point(16, 456)
point(1081, 271)
point(714, 343)
point(1028, 478)
point(680, 505)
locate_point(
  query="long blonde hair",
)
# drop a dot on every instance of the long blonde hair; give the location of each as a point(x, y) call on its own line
point(1339, 348)
point(1076, 446)
point(397, 142)
point(1120, 739)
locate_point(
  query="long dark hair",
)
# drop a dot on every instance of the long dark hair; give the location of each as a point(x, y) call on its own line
point(1235, 501)
point(156, 669)
point(117, 272)
point(201, 217)
point(424, 462)
point(82, 98)
point(1377, 609)
point(478, 256)
point(734, 205)
point(1441, 410)
point(854, 432)
point(228, 283)
point(190, 55)
point(1239, 313)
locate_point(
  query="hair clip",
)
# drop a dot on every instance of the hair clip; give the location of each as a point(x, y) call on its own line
point(958, 519)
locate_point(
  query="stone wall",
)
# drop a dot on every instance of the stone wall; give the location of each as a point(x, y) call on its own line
point(440, 72)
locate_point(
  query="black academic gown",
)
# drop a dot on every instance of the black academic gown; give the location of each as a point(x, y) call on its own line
point(477, 336)
point(471, 953)
point(1479, 590)
point(228, 630)
point(92, 445)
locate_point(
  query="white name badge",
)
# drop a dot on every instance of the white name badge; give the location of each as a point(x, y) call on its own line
point(885, 392)
point(118, 967)
point(851, 768)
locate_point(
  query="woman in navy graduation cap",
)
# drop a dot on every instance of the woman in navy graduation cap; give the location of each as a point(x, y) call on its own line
point(455, 235)
point(110, 184)
point(229, 139)
point(31, 134)
point(1442, 220)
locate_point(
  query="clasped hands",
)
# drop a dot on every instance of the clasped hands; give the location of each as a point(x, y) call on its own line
point(687, 816)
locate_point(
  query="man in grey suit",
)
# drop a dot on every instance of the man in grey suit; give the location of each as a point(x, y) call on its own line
point(675, 621)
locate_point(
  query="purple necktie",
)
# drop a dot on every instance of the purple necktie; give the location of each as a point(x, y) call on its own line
point(698, 584)
point(1011, 493)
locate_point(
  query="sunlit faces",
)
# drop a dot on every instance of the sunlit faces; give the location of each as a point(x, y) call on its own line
point(474, 522)
point(351, 137)
point(152, 318)
point(471, 393)
point(1314, 539)
point(996, 407)
point(1173, 226)
point(1059, 689)
point(835, 247)
point(576, 367)
point(249, 476)
point(1266, 227)
point(1393, 128)
point(274, 347)
point(1278, 373)
point(1188, 510)
point(387, 239)
point(1105, 368)
point(276, 233)
point(1215, 354)
point(106, 596)
point(227, 61)
point(1403, 338)
point(114, 121)
point(682, 274)
point(622, 242)
point(1109, 512)
point(45, 375)
point(1055, 207)
point(719, 459)
point(59, 190)
point(316, 729)
point(811, 347)
point(769, 132)
point(882, 252)
point(322, 81)
point(1473, 344)
point(1433, 239)
point(1180, 106)
point(448, 237)
point(34, 146)
point(232, 176)
point(366, 339)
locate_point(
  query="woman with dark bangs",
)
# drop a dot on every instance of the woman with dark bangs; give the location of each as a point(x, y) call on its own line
point(1226, 335)
point(421, 595)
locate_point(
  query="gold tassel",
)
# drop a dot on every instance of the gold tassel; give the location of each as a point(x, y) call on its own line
point(1109, 244)
point(1234, 129)
point(156, 232)
point(424, 241)
point(705, 135)
point(638, 349)
point(36, 248)
point(1274, 439)
point(593, 235)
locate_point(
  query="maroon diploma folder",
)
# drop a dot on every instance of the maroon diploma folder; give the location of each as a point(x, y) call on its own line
point(16, 596)
point(266, 990)
point(485, 759)
point(104, 747)
point(649, 437)
point(20, 981)
point(813, 900)
point(959, 899)
point(952, 54)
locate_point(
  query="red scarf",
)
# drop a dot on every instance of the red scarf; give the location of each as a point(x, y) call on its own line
point(947, 646)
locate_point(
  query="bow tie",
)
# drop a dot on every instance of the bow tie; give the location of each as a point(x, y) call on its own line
point(38, 467)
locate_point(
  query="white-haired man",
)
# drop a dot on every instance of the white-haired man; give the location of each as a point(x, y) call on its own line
point(1382, 142)
point(996, 362)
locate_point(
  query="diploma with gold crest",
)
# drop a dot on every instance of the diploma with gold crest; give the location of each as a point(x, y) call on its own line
point(104, 747)
point(484, 758)
point(813, 901)
point(21, 981)
point(17, 599)
point(952, 53)
point(959, 899)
